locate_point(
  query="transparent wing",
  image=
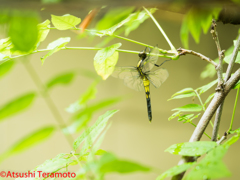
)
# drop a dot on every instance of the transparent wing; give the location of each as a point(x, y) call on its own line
point(158, 77)
point(151, 59)
point(123, 72)
point(134, 82)
point(131, 77)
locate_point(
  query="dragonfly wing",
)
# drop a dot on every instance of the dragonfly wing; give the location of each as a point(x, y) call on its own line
point(131, 77)
point(134, 82)
point(158, 77)
point(150, 60)
point(123, 72)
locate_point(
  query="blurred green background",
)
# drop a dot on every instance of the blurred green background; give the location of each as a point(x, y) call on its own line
point(131, 136)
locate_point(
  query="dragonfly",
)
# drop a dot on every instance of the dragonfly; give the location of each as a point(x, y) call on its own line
point(140, 77)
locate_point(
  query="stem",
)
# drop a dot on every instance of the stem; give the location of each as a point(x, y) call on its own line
point(48, 100)
point(161, 30)
point(204, 109)
point(217, 122)
point(234, 109)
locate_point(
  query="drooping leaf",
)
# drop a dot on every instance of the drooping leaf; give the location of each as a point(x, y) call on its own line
point(184, 33)
point(65, 22)
point(29, 141)
point(55, 46)
point(43, 30)
point(206, 87)
point(191, 148)
point(23, 31)
point(175, 170)
point(185, 117)
point(211, 166)
point(105, 60)
point(6, 67)
point(189, 108)
point(197, 19)
point(86, 96)
point(110, 163)
point(97, 106)
point(63, 79)
point(17, 105)
point(94, 130)
point(113, 17)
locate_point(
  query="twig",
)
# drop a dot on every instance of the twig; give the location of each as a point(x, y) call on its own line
point(220, 52)
point(185, 51)
point(222, 138)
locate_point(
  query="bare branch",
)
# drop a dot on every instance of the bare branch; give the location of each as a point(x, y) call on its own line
point(216, 101)
point(186, 51)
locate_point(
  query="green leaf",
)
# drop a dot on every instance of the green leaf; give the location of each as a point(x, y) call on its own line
point(137, 19)
point(228, 58)
point(5, 45)
point(6, 67)
point(175, 170)
point(105, 60)
point(208, 72)
point(43, 30)
point(109, 164)
point(206, 87)
point(183, 91)
point(55, 46)
point(174, 115)
point(189, 108)
point(231, 141)
point(211, 166)
point(209, 98)
point(86, 96)
point(23, 31)
point(184, 33)
point(126, 22)
point(184, 95)
point(63, 79)
point(93, 131)
point(191, 148)
point(55, 164)
point(185, 117)
point(64, 22)
point(29, 141)
point(97, 106)
point(114, 16)
point(17, 105)
point(78, 125)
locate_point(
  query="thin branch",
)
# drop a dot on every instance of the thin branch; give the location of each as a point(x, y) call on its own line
point(186, 51)
point(161, 30)
point(48, 100)
point(224, 137)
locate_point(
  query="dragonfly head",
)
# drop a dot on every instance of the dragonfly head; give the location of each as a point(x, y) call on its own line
point(142, 55)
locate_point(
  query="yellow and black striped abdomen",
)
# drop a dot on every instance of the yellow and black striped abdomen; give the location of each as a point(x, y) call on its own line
point(146, 84)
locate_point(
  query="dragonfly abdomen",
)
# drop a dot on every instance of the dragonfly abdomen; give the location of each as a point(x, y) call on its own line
point(146, 84)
